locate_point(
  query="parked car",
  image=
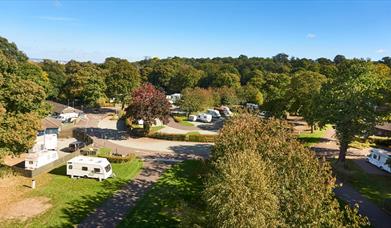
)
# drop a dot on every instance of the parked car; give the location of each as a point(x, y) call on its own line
point(92, 167)
point(76, 146)
point(213, 113)
point(207, 118)
point(379, 158)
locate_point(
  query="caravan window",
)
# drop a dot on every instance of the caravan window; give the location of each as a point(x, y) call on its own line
point(96, 170)
point(84, 168)
point(70, 167)
point(374, 156)
point(31, 162)
point(108, 168)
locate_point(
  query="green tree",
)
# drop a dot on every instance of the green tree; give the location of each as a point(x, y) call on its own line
point(197, 99)
point(304, 88)
point(226, 79)
point(240, 194)
point(250, 94)
point(57, 77)
point(185, 76)
point(295, 182)
point(351, 101)
point(122, 78)
point(276, 91)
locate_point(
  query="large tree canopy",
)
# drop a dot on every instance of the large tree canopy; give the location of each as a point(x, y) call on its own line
point(354, 100)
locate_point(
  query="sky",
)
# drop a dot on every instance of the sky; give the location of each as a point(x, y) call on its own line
point(94, 30)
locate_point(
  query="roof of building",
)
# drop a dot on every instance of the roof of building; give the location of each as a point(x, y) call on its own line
point(384, 127)
point(50, 122)
point(61, 108)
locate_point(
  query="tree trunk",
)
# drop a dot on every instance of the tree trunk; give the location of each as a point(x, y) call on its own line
point(147, 127)
point(343, 148)
point(312, 128)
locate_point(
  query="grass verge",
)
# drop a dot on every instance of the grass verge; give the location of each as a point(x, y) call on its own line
point(175, 200)
point(310, 139)
point(73, 199)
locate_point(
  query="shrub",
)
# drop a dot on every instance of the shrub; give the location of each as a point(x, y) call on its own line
point(118, 158)
point(387, 205)
point(6, 171)
point(184, 137)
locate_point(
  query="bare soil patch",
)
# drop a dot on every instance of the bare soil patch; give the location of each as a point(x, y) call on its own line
point(25, 209)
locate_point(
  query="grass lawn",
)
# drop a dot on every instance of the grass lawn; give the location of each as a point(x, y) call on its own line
point(73, 199)
point(176, 195)
point(310, 139)
point(375, 187)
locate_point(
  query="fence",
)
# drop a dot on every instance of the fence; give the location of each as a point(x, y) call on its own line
point(45, 168)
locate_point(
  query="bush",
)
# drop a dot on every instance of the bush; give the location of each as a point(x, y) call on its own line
point(118, 158)
point(82, 136)
point(6, 171)
point(184, 137)
point(387, 205)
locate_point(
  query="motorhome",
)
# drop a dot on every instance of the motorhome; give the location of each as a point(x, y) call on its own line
point(224, 111)
point(380, 158)
point(207, 118)
point(213, 113)
point(92, 167)
point(38, 159)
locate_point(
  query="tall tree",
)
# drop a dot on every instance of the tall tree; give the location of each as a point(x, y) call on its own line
point(295, 189)
point(57, 77)
point(351, 101)
point(304, 87)
point(195, 100)
point(122, 78)
point(148, 104)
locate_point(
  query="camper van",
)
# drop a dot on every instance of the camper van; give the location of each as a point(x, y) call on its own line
point(379, 157)
point(207, 118)
point(92, 167)
point(35, 160)
point(213, 113)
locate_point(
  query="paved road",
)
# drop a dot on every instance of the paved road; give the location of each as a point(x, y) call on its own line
point(378, 218)
point(157, 156)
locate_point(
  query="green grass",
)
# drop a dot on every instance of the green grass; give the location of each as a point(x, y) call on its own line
point(374, 187)
point(310, 139)
point(73, 199)
point(156, 128)
point(104, 151)
point(175, 200)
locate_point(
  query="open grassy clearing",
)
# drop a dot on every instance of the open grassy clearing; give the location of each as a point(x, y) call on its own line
point(72, 199)
point(174, 201)
point(374, 187)
point(310, 139)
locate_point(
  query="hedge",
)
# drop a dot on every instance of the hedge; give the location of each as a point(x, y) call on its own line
point(118, 158)
point(184, 137)
point(81, 135)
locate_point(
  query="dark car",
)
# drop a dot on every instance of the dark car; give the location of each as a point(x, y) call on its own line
point(76, 146)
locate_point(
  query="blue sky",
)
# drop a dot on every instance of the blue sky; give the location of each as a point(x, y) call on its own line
point(94, 30)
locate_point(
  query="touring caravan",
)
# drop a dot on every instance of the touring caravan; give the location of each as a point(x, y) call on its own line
point(92, 167)
point(39, 159)
point(379, 158)
point(207, 118)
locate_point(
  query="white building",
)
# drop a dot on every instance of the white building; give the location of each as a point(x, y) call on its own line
point(45, 149)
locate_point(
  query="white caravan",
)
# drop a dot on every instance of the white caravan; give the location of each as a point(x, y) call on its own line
point(192, 118)
point(207, 118)
point(379, 157)
point(35, 160)
point(92, 167)
point(213, 113)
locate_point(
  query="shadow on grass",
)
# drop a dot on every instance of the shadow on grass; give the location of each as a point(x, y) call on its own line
point(174, 200)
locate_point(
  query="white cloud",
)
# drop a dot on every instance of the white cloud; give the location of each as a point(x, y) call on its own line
point(49, 18)
point(311, 36)
point(380, 51)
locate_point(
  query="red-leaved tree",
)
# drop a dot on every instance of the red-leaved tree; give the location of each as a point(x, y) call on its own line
point(148, 103)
